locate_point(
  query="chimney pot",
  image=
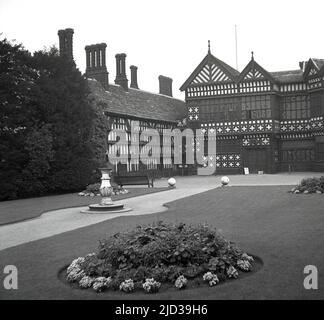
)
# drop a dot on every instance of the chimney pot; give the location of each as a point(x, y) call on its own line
point(121, 78)
point(96, 63)
point(133, 77)
point(66, 42)
point(165, 85)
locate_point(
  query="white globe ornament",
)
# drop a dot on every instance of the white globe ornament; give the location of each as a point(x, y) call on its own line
point(225, 181)
point(172, 182)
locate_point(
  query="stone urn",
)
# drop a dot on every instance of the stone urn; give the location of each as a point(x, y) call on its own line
point(106, 190)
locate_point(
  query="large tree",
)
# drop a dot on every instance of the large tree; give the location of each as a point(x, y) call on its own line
point(45, 124)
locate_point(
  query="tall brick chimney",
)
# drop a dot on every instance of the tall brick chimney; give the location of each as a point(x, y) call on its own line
point(133, 77)
point(66, 42)
point(121, 78)
point(96, 63)
point(165, 85)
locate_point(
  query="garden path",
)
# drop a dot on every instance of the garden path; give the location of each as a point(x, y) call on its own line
point(63, 220)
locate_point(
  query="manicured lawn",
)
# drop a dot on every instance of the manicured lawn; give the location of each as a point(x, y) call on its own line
point(284, 230)
point(24, 209)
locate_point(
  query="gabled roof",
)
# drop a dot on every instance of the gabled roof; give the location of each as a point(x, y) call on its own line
point(288, 76)
point(313, 66)
point(211, 69)
point(254, 71)
point(319, 62)
point(137, 103)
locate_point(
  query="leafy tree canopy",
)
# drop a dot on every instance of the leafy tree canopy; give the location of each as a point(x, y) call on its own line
point(46, 122)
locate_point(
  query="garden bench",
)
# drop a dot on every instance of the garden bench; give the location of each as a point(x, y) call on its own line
point(134, 180)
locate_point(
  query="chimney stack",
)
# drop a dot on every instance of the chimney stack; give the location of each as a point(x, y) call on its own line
point(302, 65)
point(121, 78)
point(165, 85)
point(96, 63)
point(133, 77)
point(66, 42)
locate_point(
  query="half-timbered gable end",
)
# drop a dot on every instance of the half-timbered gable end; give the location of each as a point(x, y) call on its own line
point(211, 77)
point(313, 73)
point(254, 78)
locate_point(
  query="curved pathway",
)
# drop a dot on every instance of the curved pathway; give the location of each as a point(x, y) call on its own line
point(63, 220)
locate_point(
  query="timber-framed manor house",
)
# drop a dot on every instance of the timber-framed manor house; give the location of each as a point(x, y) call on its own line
point(264, 121)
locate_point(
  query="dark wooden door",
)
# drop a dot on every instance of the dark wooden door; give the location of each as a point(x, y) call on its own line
point(256, 160)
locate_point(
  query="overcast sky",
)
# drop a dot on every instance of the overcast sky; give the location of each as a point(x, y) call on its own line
point(170, 37)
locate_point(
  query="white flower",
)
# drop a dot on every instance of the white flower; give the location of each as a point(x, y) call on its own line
point(75, 264)
point(232, 272)
point(101, 283)
point(86, 282)
point(244, 265)
point(181, 282)
point(127, 285)
point(245, 256)
point(75, 275)
point(74, 271)
point(211, 278)
point(150, 285)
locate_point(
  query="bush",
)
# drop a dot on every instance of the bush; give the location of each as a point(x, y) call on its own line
point(166, 253)
point(94, 188)
point(46, 124)
point(310, 185)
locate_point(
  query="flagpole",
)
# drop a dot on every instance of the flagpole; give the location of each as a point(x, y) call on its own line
point(236, 48)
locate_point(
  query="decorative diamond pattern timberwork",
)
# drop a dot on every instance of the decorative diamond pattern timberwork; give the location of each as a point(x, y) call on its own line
point(313, 124)
point(241, 127)
point(312, 72)
point(317, 123)
point(193, 113)
point(255, 140)
point(223, 160)
point(264, 126)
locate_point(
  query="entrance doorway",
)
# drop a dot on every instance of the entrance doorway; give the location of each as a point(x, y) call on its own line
point(255, 160)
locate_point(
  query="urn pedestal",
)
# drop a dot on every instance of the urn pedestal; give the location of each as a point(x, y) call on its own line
point(106, 205)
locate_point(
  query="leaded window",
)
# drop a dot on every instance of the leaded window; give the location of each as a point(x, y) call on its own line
point(297, 155)
point(256, 107)
point(295, 107)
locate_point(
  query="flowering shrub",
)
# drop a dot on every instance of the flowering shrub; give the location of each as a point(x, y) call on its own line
point(94, 190)
point(211, 278)
point(232, 272)
point(75, 264)
point(86, 282)
point(74, 271)
point(147, 257)
point(101, 283)
point(75, 275)
point(245, 256)
point(151, 286)
point(310, 185)
point(127, 286)
point(244, 265)
point(181, 282)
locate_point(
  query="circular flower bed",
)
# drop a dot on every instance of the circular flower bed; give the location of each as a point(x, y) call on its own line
point(160, 254)
point(310, 185)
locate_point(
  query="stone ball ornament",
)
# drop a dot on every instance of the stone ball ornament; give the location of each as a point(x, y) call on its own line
point(225, 181)
point(172, 182)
